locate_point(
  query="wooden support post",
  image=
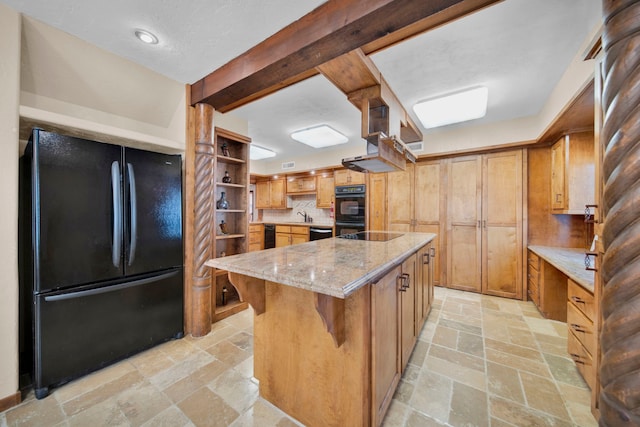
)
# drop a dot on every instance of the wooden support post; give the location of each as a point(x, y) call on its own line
point(200, 213)
point(620, 333)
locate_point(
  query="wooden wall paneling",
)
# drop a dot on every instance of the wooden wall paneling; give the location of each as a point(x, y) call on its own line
point(620, 135)
point(544, 228)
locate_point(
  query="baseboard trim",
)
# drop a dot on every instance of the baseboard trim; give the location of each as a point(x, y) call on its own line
point(10, 401)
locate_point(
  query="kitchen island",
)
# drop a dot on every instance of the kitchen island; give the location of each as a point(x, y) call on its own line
point(335, 322)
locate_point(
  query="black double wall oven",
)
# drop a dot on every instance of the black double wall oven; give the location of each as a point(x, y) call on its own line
point(350, 209)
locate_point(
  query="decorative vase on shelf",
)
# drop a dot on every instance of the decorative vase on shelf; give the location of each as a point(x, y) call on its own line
point(222, 203)
point(223, 227)
point(224, 295)
point(226, 178)
point(225, 149)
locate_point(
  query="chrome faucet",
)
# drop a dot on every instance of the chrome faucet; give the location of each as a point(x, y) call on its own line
point(304, 214)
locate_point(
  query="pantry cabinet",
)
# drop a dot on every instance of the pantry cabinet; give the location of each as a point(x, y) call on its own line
point(416, 202)
point(484, 223)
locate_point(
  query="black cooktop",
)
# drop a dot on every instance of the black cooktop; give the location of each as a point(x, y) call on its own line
point(375, 236)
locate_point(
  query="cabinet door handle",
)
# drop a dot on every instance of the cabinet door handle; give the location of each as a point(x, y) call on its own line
point(578, 328)
point(484, 223)
point(425, 258)
point(558, 195)
point(406, 279)
point(400, 283)
point(577, 299)
point(432, 251)
point(577, 358)
point(479, 224)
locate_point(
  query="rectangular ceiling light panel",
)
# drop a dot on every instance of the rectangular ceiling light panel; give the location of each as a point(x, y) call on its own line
point(453, 108)
point(259, 153)
point(319, 136)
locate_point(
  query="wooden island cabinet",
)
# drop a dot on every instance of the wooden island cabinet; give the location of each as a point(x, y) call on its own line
point(331, 337)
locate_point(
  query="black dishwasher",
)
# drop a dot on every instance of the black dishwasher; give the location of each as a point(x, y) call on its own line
point(269, 236)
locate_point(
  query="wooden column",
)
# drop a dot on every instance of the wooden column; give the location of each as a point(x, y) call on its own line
point(200, 217)
point(620, 336)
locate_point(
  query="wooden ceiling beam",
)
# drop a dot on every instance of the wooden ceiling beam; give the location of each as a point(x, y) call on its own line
point(331, 30)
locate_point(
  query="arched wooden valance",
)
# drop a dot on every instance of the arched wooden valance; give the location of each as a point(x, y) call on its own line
point(620, 334)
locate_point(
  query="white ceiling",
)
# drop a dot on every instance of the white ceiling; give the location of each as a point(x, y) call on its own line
point(518, 49)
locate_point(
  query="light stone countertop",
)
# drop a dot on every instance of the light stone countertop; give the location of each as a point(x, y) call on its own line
point(335, 267)
point(570, 261)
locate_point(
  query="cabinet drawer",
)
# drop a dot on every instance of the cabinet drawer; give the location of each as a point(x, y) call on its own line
point(582, 299)
point(581, 327)
point(582, 358)
point(534, 293)
point(255, 247)
point(255, 228)
point(534, 261)
point(533, 276)
point(255, 237)
point(283, 229)
point(299, 229)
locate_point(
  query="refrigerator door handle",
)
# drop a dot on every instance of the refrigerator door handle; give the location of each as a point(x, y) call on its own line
point(117, 214)
point(134, 214)
point(89, 292)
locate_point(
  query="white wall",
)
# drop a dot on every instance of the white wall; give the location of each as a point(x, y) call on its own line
point(53, 80)
point(9, 88)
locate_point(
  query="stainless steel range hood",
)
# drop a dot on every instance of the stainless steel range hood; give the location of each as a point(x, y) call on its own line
point(384, 154)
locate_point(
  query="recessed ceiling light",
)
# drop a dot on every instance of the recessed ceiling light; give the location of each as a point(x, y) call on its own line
point(453, 108)
point(319, 136)
point(259, 153)
point(146, 37)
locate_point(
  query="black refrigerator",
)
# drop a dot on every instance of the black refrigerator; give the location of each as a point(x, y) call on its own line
point(101, 255)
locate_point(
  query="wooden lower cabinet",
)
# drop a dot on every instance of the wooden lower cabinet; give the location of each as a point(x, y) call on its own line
point(287, 235)
point(547, 288)
point(319, 381)
point(385, 341)
point(256, 237)
point(582, 343)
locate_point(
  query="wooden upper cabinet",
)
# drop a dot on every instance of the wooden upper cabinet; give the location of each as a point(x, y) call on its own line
point(277, 194)
point(348, 177)
point(401, 199)
point(377, 201)
point(325, 191)
point(263, 196)
point(306, 184)
point(573, 173)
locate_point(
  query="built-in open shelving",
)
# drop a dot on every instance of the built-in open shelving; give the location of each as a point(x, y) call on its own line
point(234, 163)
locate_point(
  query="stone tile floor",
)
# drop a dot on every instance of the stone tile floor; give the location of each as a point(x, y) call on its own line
point(480, 361)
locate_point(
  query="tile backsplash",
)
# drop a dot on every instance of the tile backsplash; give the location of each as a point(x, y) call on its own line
point(304, 203)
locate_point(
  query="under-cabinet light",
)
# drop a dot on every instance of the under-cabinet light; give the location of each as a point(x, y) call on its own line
point(319, 136)
point(453, 108)
point(259, 153)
